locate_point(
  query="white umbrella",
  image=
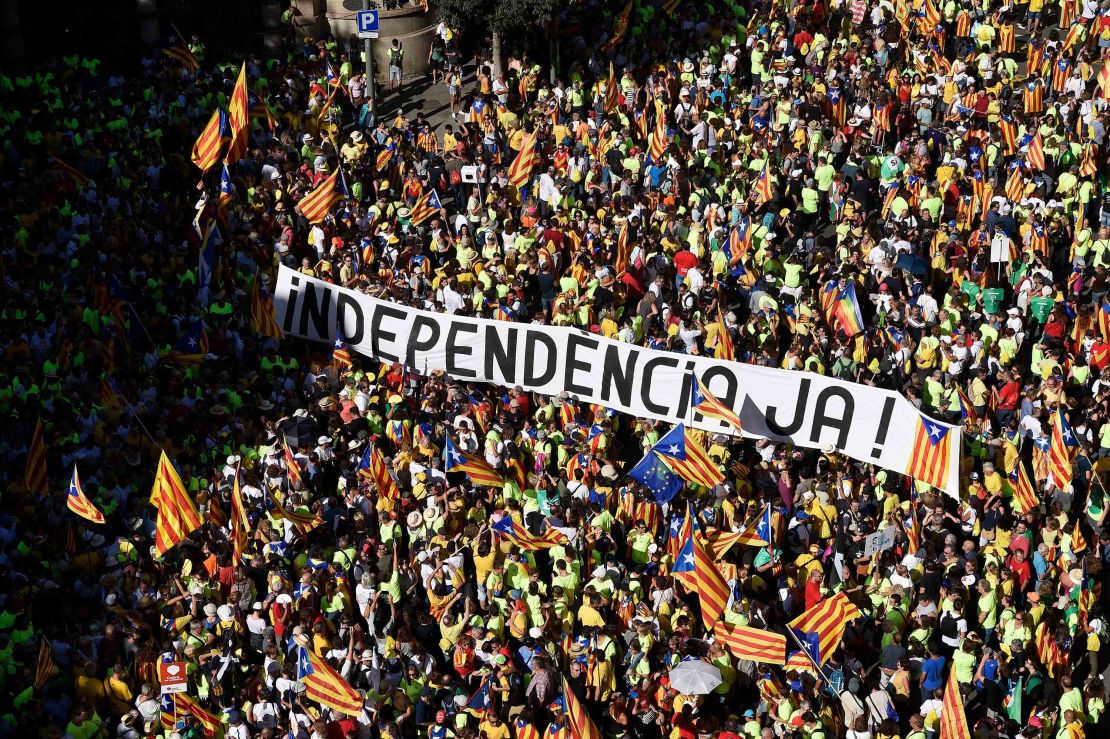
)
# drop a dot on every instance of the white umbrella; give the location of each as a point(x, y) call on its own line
point(695, 677)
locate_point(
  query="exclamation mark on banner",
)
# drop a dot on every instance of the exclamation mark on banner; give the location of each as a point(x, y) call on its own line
point(884, 424)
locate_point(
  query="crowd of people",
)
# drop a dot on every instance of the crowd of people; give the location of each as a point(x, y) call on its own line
point(703, 171)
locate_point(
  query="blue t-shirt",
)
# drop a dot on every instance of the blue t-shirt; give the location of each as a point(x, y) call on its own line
point(933, 670)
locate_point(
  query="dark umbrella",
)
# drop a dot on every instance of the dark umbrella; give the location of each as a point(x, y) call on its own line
point(299, 432)
point(912, 263)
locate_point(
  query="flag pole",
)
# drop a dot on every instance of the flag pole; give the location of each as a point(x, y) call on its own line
point(820, 671)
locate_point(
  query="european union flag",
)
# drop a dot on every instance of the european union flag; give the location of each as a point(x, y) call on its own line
point(654, 474)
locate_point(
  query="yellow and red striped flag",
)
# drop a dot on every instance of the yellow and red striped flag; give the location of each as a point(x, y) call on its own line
point(373, 467)
point(521, 168)
point(206, 150)
point(1024, 498)
point(751, 644)
point(821, 628)
point(1103, 84)
point(1062, 450)
point(262, 310)
point(180, 53)
point(291, 463)
point(477, 468)
point(953, 720)
point(764, 186)
point(525, 539)
point(426, 206)
point(44, 667)
point(316, 205)
point(670, 6)
point(240, 526)
point(659, 135)
point(612, 96)
point(302, 522)
point(177, 514)
point(713, 591)
point(1088, 163)
point(724, 348)
point(79, 503)
point(683, 454)
point(238, 109)
point(326, 686)
point(620, 27)
point(34, 472)
point(186, 703)
point(1034, 153)
point(930, 453)
point(1078, 541)
point(705, 403)
point(1015, 185)
point(580, 723)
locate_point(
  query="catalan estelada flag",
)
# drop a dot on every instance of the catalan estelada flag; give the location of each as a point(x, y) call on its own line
point(316, 205)
point(426, 206)
point(372, 467)
point(185, 703)
point(821, 628)
point(580, 723)
point(525, 730)
point(325, 686)
point(177, 514)
point(705, 403)
point(262, 310)
point(479, 470)
point(1064, 447)
point(520, 171)
point(291, 464)
point(930, 453)
point(79, 503)
point(523, 538)
point(238, 110)
point(210, 143)
point(340, 354)
point(1034, 152)
point(760, 532)
point(34, 471)
point(953, 720)
point(240, 526)
point(764, 185)
point(687, 458)
point(841, 307)
point(751, 644)
point(659, 135)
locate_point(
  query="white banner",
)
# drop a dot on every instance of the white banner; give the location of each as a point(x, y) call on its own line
point(810, 410)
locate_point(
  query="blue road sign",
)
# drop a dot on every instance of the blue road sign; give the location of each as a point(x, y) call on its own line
point(367, 21)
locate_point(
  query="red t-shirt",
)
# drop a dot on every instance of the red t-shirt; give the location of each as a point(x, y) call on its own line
point(684, 261)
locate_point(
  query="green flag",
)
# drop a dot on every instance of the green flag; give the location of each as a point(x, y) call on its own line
point(1012, 701)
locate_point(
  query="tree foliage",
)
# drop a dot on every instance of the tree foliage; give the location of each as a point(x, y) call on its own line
point(503, 16)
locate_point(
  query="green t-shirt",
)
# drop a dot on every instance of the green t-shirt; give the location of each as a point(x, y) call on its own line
point(992, 299)
point(1040, 307)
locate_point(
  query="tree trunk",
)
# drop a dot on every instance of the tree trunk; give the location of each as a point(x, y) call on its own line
point(498, 62)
